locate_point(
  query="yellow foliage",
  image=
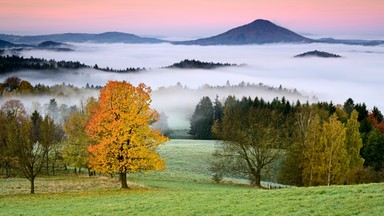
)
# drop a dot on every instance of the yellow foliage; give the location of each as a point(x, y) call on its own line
point(325, 154)
point(122, 139)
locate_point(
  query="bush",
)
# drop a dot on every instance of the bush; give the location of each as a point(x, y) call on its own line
point(217, 177)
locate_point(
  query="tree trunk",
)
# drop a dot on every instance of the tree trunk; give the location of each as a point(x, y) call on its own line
point(53, 168)
point(32, 185)
point(7, 170)
point(123, 179)
point(311, 176)
point(91, 173)
point(257, 178)
point(329, 169)
point(47, 165)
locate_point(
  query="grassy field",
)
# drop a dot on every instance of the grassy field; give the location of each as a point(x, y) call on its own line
point(185, 188)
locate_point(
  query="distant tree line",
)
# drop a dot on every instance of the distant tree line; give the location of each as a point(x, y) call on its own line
point(108, 69)
point(240, 87)
point(196, 64)
point(14, 63)
point(13, 85)
point(315, 144)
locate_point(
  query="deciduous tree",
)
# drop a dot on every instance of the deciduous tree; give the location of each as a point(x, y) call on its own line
point(30, 152)
point(353, 144)
point(12, 83)
point(294, 161)
point(250, 139)
point(20, 140)
point(13, 112)
point(51, 136)
point(312, 151)
point(5, 151)
point(77, 140)
point(122, 139)
point(334, 156)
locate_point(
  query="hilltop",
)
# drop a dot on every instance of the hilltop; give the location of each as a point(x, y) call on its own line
point(317, 53)
point(257, 32)
point(196, 64)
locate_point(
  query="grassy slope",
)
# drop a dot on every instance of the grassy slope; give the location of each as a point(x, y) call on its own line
point(184, 189)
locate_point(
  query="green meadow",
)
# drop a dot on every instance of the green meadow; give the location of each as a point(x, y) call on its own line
point(185, 188)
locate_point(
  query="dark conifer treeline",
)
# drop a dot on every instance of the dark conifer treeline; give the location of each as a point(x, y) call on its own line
point(15, 63)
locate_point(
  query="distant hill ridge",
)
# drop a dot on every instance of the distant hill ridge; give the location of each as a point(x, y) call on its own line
point(257, 32)
point(106, 37)
point(46, 45)
point(6, 44)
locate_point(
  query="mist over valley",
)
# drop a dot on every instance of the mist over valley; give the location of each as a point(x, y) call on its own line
point(357, 74)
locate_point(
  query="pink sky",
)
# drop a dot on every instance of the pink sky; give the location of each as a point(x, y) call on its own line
point(189, 18)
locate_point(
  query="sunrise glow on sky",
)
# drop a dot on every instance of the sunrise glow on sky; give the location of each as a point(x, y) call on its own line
point(189, 18)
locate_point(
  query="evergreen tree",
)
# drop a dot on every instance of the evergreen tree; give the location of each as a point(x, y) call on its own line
point(53, 110)
point(377, 113)
point(373, 150)
point(202, 119)
point(349, 105)
point(217, 110)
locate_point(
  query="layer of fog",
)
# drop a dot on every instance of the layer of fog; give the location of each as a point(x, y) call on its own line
point(357, 75)
point(40, 102)
point(372, 36)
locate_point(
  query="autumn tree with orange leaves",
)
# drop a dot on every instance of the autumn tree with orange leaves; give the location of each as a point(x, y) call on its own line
point(122, 139)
